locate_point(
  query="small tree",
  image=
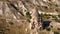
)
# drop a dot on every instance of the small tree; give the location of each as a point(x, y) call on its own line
point(28, 16)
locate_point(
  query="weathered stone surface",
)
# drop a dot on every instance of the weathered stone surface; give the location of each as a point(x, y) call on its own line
point(13, 18)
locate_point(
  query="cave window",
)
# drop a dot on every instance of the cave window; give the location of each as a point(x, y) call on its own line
point(45, 24)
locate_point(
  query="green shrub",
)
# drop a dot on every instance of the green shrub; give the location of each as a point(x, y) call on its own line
point(28, 20)
point(51, 26)
point(48, 29)
point(53, 16)
point(44, 7)
point(45, 16)
point(28, 16)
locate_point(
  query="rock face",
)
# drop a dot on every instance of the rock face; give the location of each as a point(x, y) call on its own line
point(24, 16)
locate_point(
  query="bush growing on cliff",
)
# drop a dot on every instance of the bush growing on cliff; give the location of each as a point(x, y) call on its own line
point(28, 16)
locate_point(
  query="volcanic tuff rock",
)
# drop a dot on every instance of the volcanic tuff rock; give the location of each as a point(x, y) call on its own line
point(24, 16)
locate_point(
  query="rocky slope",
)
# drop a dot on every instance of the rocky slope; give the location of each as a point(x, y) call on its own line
point(24, 16)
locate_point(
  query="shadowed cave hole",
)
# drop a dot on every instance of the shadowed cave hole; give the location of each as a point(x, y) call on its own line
point(45, 24)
